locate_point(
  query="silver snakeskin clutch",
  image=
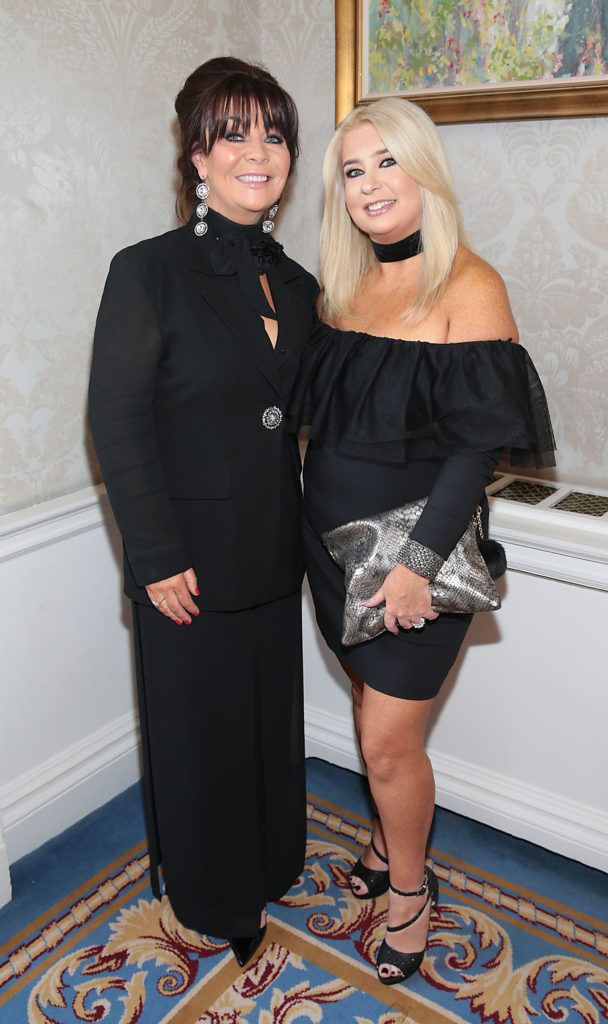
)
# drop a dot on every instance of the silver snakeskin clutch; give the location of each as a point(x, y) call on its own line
point(367, 549)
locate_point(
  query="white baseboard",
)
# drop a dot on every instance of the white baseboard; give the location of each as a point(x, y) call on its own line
point(332, 738)
point(555, 823)
point(6, 893)
point(44, 801)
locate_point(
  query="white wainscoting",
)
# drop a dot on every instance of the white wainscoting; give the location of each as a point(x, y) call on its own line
point(538, 815)
point(53, 795)
point(518, 739)
point(68, 740)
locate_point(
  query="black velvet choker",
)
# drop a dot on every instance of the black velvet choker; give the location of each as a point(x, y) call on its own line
point(394, 252)
point(245, 250)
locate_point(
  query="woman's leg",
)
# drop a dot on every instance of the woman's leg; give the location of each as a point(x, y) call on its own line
point(392, 734)
point(368, 857)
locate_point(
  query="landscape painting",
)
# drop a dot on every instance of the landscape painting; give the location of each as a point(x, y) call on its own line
point(476, 59)
point(417, 45)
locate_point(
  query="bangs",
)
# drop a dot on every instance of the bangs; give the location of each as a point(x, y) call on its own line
point(236, 104)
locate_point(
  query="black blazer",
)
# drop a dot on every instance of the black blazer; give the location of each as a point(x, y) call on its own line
point(185, 392)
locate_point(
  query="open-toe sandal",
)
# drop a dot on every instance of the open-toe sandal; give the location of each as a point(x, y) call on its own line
point(375, 879)
point(406, 963)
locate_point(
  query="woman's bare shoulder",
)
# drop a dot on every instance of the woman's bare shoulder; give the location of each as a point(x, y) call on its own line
point(476, 301)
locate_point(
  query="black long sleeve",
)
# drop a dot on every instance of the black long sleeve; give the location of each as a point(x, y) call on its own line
point(457, 491)
point(126, 354)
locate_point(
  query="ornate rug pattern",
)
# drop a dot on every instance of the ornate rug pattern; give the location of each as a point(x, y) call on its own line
point(109, 952)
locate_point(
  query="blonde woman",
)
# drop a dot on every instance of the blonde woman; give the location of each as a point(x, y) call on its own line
point(404, 393)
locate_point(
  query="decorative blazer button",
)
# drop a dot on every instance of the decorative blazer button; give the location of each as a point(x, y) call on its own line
point(272, 417)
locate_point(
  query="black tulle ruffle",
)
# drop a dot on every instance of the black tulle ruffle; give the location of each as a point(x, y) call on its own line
point(380, 398)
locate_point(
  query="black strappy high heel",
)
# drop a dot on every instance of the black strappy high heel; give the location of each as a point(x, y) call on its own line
point(407, 963)
point(375, 879)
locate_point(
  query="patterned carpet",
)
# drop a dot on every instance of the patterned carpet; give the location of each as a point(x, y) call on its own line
point(499, 951)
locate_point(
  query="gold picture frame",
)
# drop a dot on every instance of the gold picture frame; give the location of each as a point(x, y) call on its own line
point(519, 101)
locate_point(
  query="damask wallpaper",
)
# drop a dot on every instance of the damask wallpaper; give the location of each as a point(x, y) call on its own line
point(86, 156)
point(86, 151)
point(535, 201)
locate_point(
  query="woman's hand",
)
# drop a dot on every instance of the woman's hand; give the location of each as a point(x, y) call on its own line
point(173, 597)
point(407, 597)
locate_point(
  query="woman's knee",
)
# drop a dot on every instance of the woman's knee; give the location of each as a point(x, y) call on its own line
point(386, 752)
point(390, 745)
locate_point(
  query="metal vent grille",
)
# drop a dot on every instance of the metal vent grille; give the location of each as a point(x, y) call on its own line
point(549, 497)
point(584, 504)
point(526, 491)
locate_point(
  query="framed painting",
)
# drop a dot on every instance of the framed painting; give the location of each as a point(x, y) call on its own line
point(475, 60)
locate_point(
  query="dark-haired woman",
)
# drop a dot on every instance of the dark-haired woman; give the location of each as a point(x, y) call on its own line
point(196, 346)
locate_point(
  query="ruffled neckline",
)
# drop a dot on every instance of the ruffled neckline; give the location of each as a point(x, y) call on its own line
point(412, 341)
point(393, 399)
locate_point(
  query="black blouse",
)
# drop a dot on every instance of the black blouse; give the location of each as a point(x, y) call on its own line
point(388, 400)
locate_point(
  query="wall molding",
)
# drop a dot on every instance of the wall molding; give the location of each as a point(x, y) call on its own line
point(537, 815)
point(51, 521)
point(55, 794)
point(44, 801)
point(556, 545)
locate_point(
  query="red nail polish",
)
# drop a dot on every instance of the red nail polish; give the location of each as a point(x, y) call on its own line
point(196, 614)
point(178, 622)
point(197, 592)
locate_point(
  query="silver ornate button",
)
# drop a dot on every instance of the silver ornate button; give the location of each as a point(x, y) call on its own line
point(272, 417)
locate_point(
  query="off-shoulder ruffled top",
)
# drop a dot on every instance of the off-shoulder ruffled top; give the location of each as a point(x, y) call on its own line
point(382, 398)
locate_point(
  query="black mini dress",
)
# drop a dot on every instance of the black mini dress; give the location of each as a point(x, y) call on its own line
point(390, 421)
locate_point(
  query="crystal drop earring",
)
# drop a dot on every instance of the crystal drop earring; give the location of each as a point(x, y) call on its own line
point(202, 191)
point(268, 224)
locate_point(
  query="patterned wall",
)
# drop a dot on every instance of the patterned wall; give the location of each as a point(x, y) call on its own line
point(86, 160)
point(535, 200)
point(297, 45)
point(87, 155)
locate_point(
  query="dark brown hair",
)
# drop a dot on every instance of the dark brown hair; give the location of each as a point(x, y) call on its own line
point(220, 91)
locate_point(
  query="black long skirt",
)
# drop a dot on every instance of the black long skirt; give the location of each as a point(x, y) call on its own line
point(221, 712)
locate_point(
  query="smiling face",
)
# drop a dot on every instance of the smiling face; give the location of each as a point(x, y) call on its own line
point(246, 171)
point(382, 200)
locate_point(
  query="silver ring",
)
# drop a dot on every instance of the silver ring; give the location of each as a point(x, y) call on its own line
point(157, 603)
point(419, 625)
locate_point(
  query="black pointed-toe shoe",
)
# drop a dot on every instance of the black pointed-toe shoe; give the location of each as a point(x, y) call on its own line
point(406, 963)
point(244, 946)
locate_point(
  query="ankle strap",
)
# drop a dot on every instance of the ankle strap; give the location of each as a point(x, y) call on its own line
point(417, 892)
point(401, 927)
point(379, 855)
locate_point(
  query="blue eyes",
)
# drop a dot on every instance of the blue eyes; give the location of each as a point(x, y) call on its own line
point(356, 172)
point(239, 137)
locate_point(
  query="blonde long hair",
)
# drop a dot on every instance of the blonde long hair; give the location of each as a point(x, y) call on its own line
point(346, 252)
